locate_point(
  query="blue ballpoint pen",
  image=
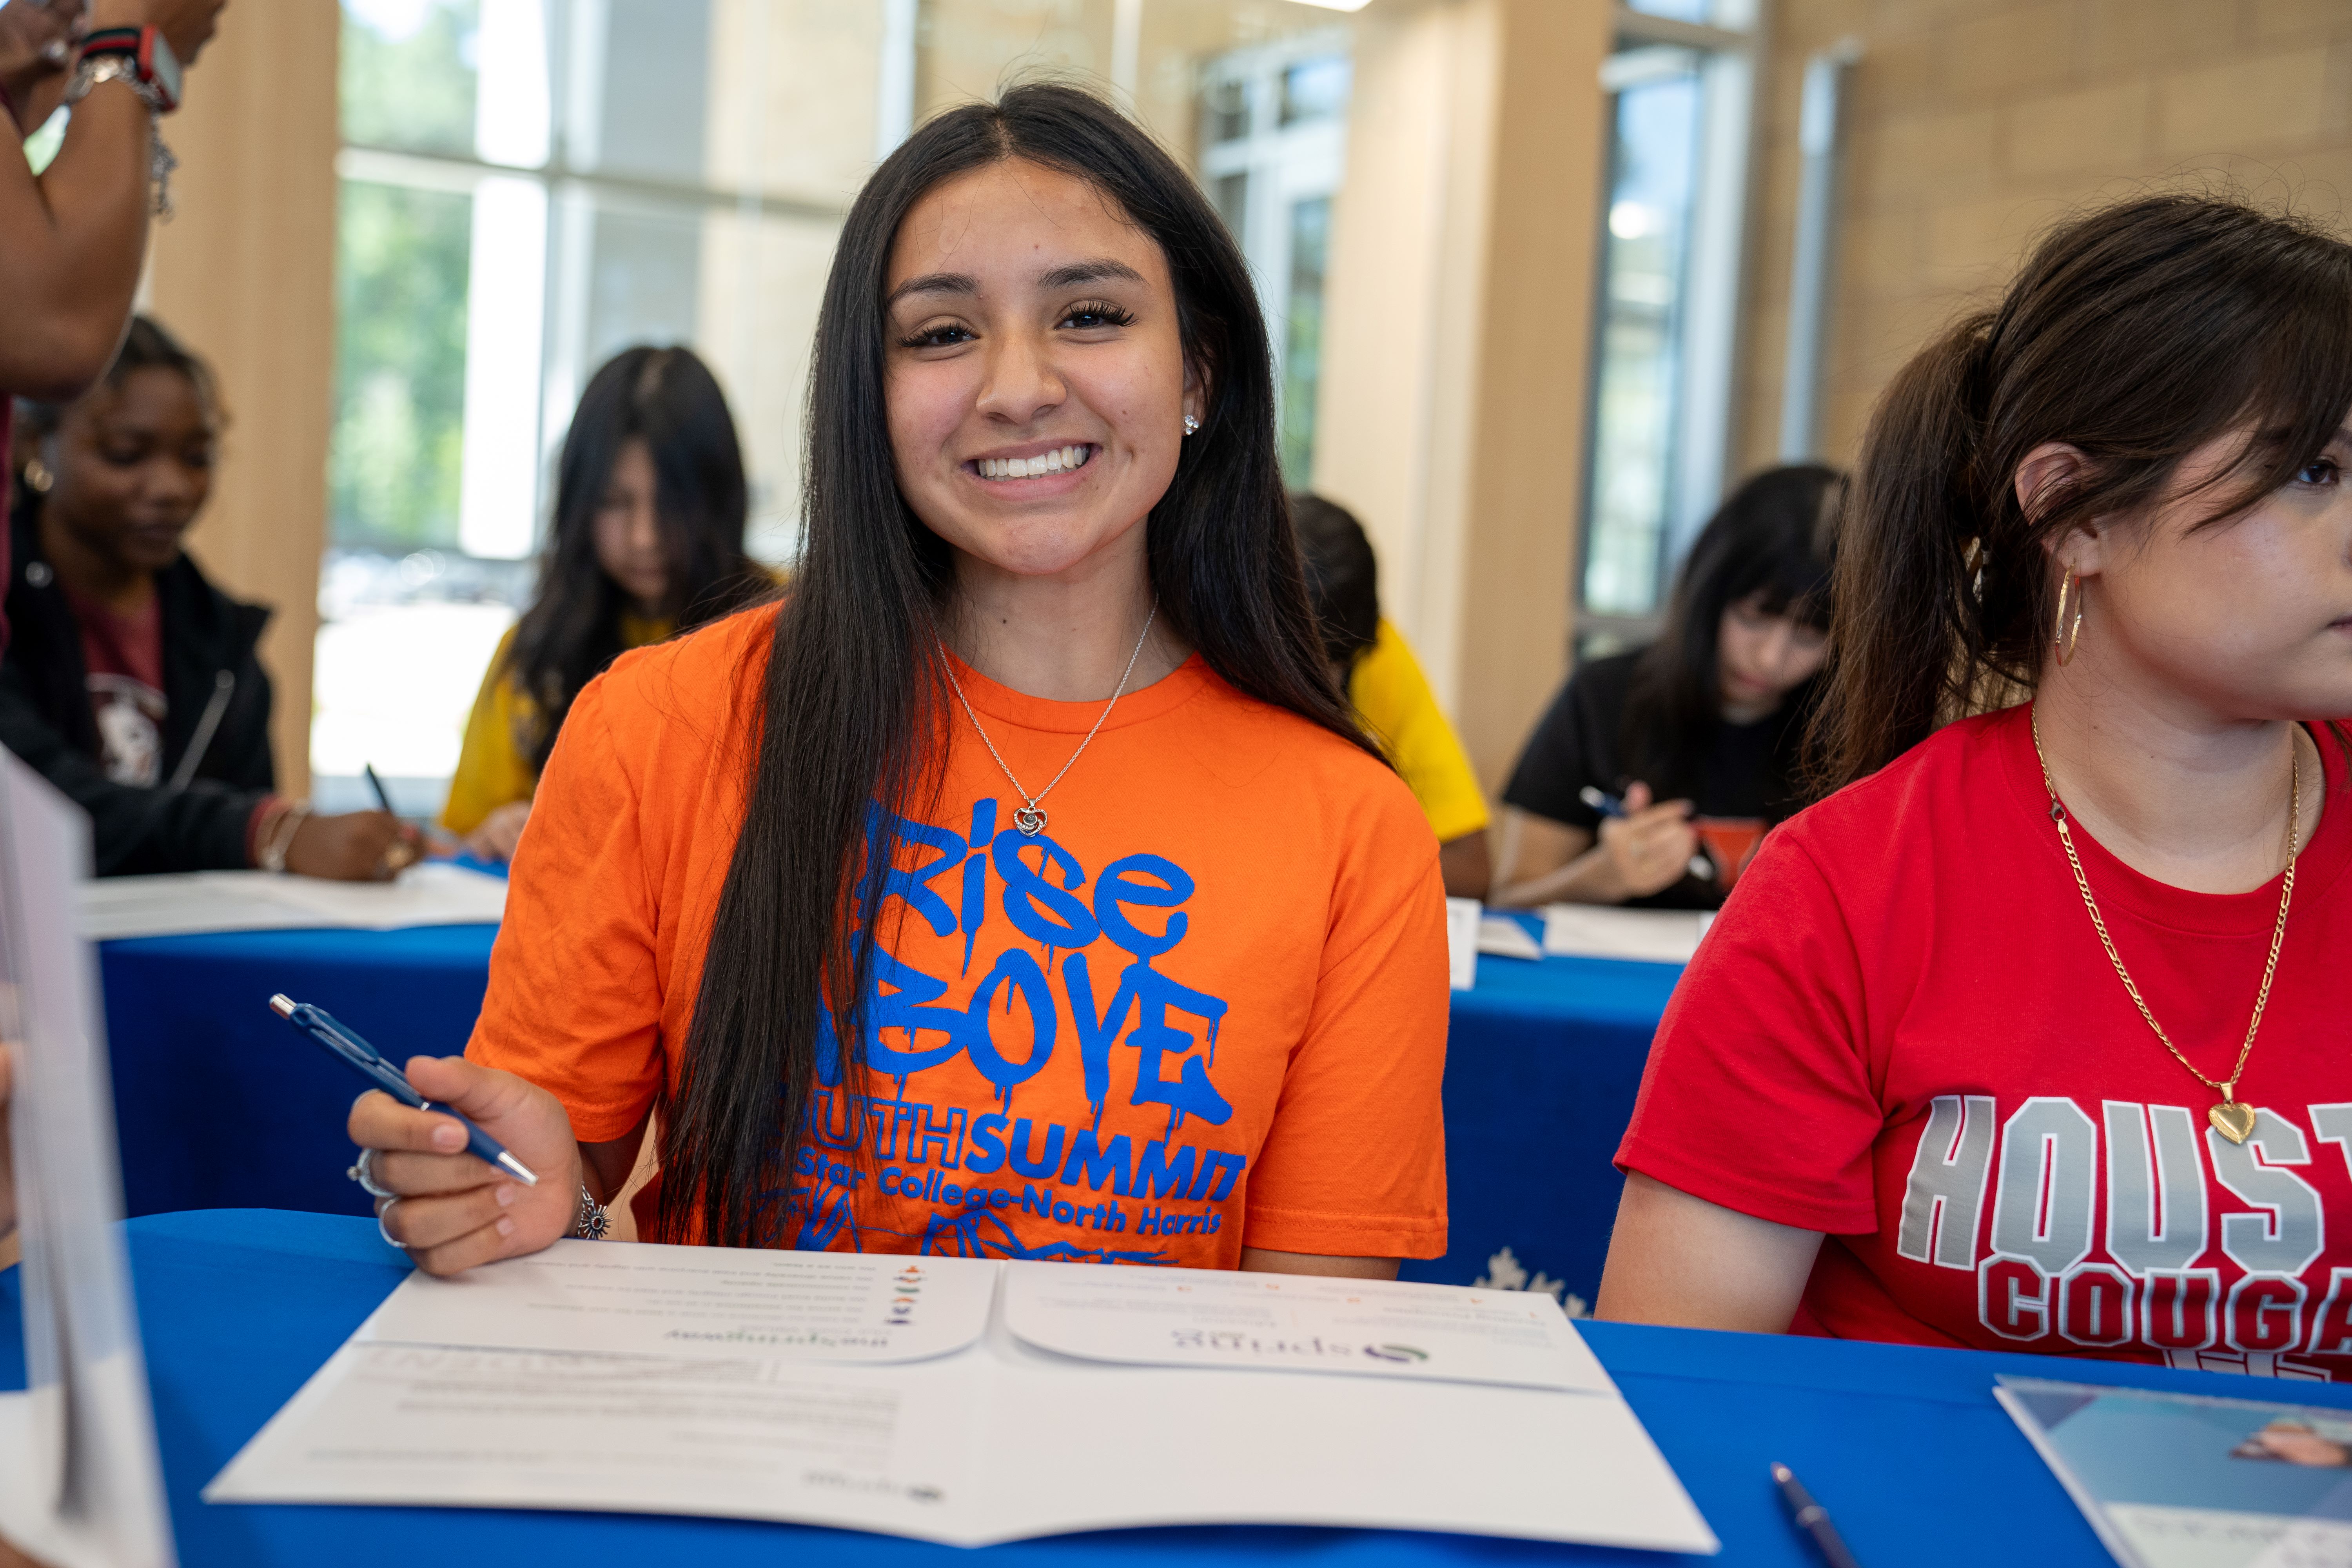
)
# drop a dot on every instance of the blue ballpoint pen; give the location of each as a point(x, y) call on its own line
point(1608, 805)
point(364, 1059)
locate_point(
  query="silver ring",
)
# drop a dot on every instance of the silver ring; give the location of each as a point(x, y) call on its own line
point(363, 1170)
point(379, 1223)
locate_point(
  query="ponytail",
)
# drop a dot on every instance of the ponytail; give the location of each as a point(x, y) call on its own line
point(2137, 334)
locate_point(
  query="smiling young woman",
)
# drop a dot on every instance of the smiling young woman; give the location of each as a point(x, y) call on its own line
point(1020, 887)
point(2033, 1036)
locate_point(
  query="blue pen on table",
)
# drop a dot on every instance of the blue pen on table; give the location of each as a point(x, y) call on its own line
point(1608, 805)
point(364, 1059)
point(1813, 1518)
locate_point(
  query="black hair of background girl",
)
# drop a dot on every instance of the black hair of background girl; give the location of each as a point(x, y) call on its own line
point(1769, 540)
point(571, 631)
point(853, 712)
point(2137, 335)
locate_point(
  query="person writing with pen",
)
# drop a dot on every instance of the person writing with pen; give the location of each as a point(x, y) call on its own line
point(1033, 809)
point(129, 681)
point(1654, 774)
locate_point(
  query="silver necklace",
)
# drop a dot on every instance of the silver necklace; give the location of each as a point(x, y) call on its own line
point(1031, 818)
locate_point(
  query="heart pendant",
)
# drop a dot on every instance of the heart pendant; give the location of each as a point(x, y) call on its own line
point(2231, 1119)
point(1030, 820)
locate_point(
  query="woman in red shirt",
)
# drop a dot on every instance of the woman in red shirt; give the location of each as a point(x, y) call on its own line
point(2033, 1036)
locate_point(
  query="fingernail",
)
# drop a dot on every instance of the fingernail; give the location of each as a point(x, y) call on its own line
point(449, 1135)
point(505, 1195)
point(506, 1227)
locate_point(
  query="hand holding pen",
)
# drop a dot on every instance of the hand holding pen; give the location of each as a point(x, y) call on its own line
point(1651, 847)
point(439, 1197)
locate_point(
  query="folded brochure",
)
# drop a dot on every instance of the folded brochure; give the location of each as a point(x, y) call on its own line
point(2177, 1481)
point(969, 1400)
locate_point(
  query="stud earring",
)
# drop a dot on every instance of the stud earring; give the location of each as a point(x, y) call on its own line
point(37, 477)
point(1191, 424)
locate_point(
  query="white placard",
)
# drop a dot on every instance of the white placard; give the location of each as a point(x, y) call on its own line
point(183, 903)
point(1290, 1322)
point(998, 1440)
point(81, 1485)
point(1462, 917)
point(1598, 931)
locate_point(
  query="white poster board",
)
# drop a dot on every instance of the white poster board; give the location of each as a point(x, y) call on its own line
point(81, 1485)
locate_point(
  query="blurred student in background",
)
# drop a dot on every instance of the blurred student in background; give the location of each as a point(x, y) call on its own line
point(648, 540)
point(1384, 684)
point(130, 682)
point(1654, 774)
point(1999, 1044)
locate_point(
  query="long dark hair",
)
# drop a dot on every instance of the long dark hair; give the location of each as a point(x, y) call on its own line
point(851, 712)
point(2137, 335)
point(1343, 576)
point(1769, 541)
point(668, 398)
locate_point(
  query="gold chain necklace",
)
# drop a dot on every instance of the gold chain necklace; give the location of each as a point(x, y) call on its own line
point(1031, 818)
point(2231, 1119)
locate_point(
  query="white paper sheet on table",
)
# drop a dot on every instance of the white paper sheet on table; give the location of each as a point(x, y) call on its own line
point(1595, 930)
point(1506, 938)
point(434, 893)
point(1050, 1410)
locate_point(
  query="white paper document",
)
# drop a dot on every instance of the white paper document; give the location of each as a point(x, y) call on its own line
point(970, 1401)
point(1594, 931)
point(1506, 938)
point(434, 894)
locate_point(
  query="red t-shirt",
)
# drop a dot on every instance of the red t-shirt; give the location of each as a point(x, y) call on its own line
point(123, 656)
point(1903, 1031)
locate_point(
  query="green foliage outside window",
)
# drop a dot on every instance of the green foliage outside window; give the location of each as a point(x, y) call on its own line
point(396, 451)
point(400, 366)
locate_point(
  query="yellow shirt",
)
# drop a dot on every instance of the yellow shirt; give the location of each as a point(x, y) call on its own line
point(1392, 698)
point(492, 769)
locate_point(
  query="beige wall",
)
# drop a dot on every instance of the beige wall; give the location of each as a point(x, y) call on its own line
point(245, 275)
point(1457, 337)
point(1976, 123)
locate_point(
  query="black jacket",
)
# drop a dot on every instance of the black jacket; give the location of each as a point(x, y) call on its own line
point(217, 707)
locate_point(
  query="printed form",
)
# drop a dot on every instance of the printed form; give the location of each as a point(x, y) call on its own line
point(970, 1401)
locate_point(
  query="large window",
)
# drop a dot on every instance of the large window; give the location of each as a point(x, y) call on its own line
point(528, 187)
point(1273, 148)
point(1679, 89)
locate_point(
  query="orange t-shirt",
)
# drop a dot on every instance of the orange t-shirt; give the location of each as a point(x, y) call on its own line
point(1206, 1007)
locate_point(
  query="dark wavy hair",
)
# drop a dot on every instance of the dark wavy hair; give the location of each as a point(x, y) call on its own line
point(1769, 541)
point(1343, 576)
point(852, 704)
point(2137, 335)
point(668, 399)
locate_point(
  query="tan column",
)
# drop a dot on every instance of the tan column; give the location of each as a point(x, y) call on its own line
point(1459, 338)
point(245, 275)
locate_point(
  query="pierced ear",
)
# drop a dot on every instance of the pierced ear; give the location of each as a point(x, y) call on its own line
point(1196, 391)
point(2045, 473)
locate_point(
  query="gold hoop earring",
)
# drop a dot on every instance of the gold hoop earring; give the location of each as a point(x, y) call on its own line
point(38, 478)
point(2066, 635)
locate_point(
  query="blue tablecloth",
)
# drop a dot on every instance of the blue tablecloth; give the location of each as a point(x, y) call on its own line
point(221, 1106)
point(1905, 1446)
point(218, 1103)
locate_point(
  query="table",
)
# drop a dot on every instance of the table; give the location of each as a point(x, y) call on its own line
point(221, 1106)
point(218, 1104)
point(1542, 1062)
point(1905, 1446)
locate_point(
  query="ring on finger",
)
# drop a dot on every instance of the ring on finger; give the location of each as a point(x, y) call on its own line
point(383, 1209)
point(363, 1170)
